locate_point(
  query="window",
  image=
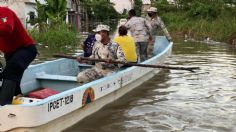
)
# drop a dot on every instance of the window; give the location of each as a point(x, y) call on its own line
point(31, 15)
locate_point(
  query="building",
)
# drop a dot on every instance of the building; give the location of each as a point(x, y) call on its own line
point(74, 13)
point(132, 3)
point(26, 11)
point(146, 5)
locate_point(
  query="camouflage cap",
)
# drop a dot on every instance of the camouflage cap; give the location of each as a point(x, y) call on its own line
point(101, 27)
point(152, 9)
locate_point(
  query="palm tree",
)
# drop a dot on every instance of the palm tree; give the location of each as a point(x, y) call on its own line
point(41, 20)
point(53, 10)
point(56, 11)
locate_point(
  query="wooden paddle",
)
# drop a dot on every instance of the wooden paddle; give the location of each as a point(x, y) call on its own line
point(127, 64)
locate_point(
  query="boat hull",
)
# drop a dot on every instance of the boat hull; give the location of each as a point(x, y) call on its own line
point(57, 113)
point(68, 120)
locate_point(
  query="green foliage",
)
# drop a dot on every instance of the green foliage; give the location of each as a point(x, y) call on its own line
point(231, 7)
point(56, 34)
point(206, 9)
point(222, 28)
point(138, 7)
point(124, 14)
point(97, 12)
point(200, 18)
point(52, 10)
point(163, 6)
point(100, 10)
point(56, 11)
point(41, 20)
point(56, 38)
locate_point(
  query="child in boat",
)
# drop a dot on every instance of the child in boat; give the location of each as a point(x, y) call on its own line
point(19, 51)
point(127, 44)
point(104, 49)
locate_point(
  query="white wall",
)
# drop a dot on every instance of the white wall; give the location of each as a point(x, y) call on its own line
point(33, 1)
point(19, 9)
point(23, 7)
point(146, 2)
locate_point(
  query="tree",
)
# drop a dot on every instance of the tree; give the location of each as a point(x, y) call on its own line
point(163, 6)
point(138, 7)
point(124, 14)
point(52, 10)
point(56, 11)
point(41, 19)
point(99, 11)
point(207, 9)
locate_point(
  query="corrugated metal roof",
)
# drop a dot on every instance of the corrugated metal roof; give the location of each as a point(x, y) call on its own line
point(146, 2)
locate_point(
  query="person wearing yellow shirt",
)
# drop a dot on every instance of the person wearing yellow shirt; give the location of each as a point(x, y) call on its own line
point(127, 44)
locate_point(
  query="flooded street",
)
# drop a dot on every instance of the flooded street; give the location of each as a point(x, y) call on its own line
point(177, 100)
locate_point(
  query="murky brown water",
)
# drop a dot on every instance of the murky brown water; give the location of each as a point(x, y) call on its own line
point(177, 100)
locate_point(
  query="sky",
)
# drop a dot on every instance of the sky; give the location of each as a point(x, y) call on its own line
point(121, 4)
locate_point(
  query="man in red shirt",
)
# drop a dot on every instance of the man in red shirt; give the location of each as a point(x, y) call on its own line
point(19, 51)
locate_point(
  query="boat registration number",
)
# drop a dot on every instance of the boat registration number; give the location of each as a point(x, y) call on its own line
point(56, 104)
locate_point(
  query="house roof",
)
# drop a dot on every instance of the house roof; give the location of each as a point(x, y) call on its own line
point(146, 2)
point(33, 1)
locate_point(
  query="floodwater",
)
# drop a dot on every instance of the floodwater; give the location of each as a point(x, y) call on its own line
point(175, 101)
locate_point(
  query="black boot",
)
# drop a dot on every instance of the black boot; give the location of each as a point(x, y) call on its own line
point(7, 92)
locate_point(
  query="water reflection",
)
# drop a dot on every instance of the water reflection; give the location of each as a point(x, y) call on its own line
point(177, 100)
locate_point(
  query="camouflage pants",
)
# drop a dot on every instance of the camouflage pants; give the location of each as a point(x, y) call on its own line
point(150, 49)
point(141, 49)
point(89, 75)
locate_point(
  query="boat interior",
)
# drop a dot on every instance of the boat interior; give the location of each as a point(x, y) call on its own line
point(60, 75)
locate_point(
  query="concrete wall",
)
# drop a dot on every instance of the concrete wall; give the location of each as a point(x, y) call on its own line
point(22, 8)
point(18, 8)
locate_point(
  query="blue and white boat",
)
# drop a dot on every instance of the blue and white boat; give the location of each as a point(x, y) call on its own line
point(74, 102)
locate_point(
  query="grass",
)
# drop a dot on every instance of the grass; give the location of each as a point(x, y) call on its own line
point(56, 38)
point(223, 28)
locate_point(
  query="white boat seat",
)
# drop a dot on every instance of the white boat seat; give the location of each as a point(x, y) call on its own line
point(45, 76)
point(85, 65)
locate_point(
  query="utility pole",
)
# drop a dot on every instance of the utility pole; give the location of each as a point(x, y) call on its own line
point(131, 3)
point(78, 13)
point(86, 20)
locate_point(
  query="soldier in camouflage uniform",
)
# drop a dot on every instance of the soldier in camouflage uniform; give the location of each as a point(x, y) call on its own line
point(102, 49)
point(140, 30)
point(156, 22)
